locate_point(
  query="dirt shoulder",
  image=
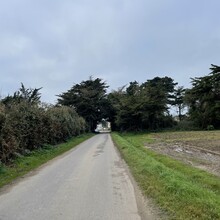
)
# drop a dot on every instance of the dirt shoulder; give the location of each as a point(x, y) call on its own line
point(200, 149)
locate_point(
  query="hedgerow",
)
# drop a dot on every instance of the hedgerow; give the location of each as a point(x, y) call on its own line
point(27, 125)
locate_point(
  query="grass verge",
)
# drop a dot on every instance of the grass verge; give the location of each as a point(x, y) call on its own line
point(24, 164)
point(182, 191)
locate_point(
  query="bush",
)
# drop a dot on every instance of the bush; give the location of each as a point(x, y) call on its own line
point(64, 123)
point(2, 168)
point(210, 127)
point(185, 125)
point(28, 126)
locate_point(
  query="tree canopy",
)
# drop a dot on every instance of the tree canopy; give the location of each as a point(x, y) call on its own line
point(28, 95)
point(203, 99)
point(178, 100)
point(143, 106)
point(146, 105)
point(88, 98)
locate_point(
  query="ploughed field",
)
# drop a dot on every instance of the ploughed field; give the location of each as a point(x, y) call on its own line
point(200, 149)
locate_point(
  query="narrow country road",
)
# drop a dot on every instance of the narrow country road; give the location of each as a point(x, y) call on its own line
point(88, 183)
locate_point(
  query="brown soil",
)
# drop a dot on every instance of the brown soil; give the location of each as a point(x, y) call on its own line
point(199, 149)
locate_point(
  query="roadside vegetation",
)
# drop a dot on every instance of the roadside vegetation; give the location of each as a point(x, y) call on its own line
point(26, 124)
point(180, 190)
point(23, 164)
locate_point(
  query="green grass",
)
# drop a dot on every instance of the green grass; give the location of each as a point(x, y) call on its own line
point(25, 164)
point(182, 191)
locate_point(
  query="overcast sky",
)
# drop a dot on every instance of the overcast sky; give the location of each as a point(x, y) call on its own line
point(56, 43)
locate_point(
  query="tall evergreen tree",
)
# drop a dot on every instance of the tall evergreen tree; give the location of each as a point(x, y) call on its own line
point(158, 92)
point(29, 95)
point(204, 99)
point(88, 98)
point(178, 101)
point(143, 106)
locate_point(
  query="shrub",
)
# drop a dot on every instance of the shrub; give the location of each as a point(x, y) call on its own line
point(27, 126)
point(185, 125)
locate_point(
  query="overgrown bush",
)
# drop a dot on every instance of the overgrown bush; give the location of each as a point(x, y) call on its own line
point(62, 123)
point(27, 126)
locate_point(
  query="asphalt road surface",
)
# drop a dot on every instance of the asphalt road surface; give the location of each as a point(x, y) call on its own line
point(88, 183)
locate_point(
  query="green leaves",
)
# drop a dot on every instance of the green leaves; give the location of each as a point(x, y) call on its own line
point(29, 95)
point(27, 124)
point(143, 106)
point(88, 99)
point(204, 98)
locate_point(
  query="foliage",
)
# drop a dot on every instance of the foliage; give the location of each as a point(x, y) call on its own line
point(88, 99)
point(210, 127)
point(204, 99)
point(64, 123)
point(178, 101)
point(185, 125)
point(29, 95)
point(26, 124)
point(143, 106)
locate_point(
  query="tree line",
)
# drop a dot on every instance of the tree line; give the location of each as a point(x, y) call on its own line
point(27, 124)
point(141, 106)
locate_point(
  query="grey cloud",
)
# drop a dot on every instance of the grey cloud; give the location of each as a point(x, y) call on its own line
point(53, 43)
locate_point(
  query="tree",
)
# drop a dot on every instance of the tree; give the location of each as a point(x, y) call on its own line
point(89, 100)
point(178, 100)
point(143, 106)
point(115, 99)
point(203, 99)
point(158, 93)
point(29, 95)
point(127, 105)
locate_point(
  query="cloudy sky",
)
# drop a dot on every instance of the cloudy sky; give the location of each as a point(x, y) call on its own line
point(56, 43)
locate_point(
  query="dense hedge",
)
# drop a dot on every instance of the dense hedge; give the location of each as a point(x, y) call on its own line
point(25, 126)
